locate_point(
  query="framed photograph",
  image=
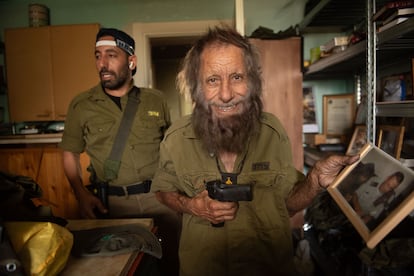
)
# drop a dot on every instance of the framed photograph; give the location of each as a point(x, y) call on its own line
point(412, 69)
point(392, 89)
point(338, 114)
point(358, 140)
point(409, 82)
point(309, 111)
point(376, 193)
point(390, 139)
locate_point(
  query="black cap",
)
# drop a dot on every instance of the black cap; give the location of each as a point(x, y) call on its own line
point(122, 39)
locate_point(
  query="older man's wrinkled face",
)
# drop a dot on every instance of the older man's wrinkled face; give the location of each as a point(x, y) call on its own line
point(225, 115)
point(224, 80)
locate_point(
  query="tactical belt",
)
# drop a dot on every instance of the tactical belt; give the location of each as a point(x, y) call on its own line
point(137, 188)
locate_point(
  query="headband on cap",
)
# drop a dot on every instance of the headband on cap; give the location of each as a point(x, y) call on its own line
point(122, 39)
point(118, 43)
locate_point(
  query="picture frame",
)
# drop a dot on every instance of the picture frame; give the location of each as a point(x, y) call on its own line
point(309, 111)
point(358, 140)
point(390, 139)
point(392, 88)
point(360, 192)
point(412, 69)
point(410, 89)
point(338, 114)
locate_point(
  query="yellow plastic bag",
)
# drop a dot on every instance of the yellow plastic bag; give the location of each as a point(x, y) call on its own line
point(43, 248)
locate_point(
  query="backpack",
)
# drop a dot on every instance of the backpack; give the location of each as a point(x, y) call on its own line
point(17, 193)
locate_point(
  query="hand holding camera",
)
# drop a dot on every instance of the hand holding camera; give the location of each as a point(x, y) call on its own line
point(228, 193)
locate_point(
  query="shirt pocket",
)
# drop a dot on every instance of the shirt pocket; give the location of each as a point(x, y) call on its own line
point(147, 130)
point(145, 157)
point(98, 133)
point(150, 119)
point(144, 145)
point(195, 183)
point(269, 192)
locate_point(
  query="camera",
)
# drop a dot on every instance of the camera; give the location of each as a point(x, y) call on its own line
point(230, 193)
point(225, 192)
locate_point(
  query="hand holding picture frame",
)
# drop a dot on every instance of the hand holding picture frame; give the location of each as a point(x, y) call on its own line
point(375, 193)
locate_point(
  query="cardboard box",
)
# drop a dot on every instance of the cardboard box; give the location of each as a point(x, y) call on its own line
point(335, 42)
point(313, 139)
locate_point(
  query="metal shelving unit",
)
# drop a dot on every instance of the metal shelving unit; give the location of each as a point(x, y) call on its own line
point(386, 47)
point(382, 49)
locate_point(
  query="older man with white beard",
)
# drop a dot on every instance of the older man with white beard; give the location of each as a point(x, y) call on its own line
point(230, 139)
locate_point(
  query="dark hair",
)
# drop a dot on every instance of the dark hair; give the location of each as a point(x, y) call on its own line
point(399, 175)
point(188, 78)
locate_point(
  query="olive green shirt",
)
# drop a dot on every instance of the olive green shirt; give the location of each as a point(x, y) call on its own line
point(92, 123)
point(258, 241)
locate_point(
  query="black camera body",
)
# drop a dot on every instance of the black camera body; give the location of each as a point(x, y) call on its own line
point(224, 192)
point(231, 193)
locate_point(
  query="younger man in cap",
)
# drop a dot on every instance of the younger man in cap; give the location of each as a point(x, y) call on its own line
point(92, 123)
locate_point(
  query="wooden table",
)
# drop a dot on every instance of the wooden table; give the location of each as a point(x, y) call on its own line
point(123, 264)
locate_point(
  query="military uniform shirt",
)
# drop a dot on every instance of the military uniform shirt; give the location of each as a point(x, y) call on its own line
point(92, 123)
point(258, 241)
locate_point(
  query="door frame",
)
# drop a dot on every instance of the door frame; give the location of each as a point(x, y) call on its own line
point(143, 32)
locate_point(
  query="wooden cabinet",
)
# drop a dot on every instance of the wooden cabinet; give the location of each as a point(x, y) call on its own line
point(45, 165)
point(282, 87)
point(29, 78)
point(46, 67)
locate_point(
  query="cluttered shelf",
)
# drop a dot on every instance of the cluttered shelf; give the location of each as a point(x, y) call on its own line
point(394, 41)
point(399, 37)
point(344, 61)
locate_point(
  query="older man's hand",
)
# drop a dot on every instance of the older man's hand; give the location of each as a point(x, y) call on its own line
point(326, 170)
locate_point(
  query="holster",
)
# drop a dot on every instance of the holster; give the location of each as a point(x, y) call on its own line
point(100, 190)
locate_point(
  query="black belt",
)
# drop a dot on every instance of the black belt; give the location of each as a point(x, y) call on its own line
point(138, 188)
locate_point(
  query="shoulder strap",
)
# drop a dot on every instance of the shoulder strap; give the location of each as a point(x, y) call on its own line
point(113, 163)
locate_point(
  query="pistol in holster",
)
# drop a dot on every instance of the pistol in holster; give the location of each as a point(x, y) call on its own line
point(100, 190)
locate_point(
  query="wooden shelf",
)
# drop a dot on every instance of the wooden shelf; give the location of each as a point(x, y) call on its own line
point(350, 60)
point(400, 36)
point(392, 44)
